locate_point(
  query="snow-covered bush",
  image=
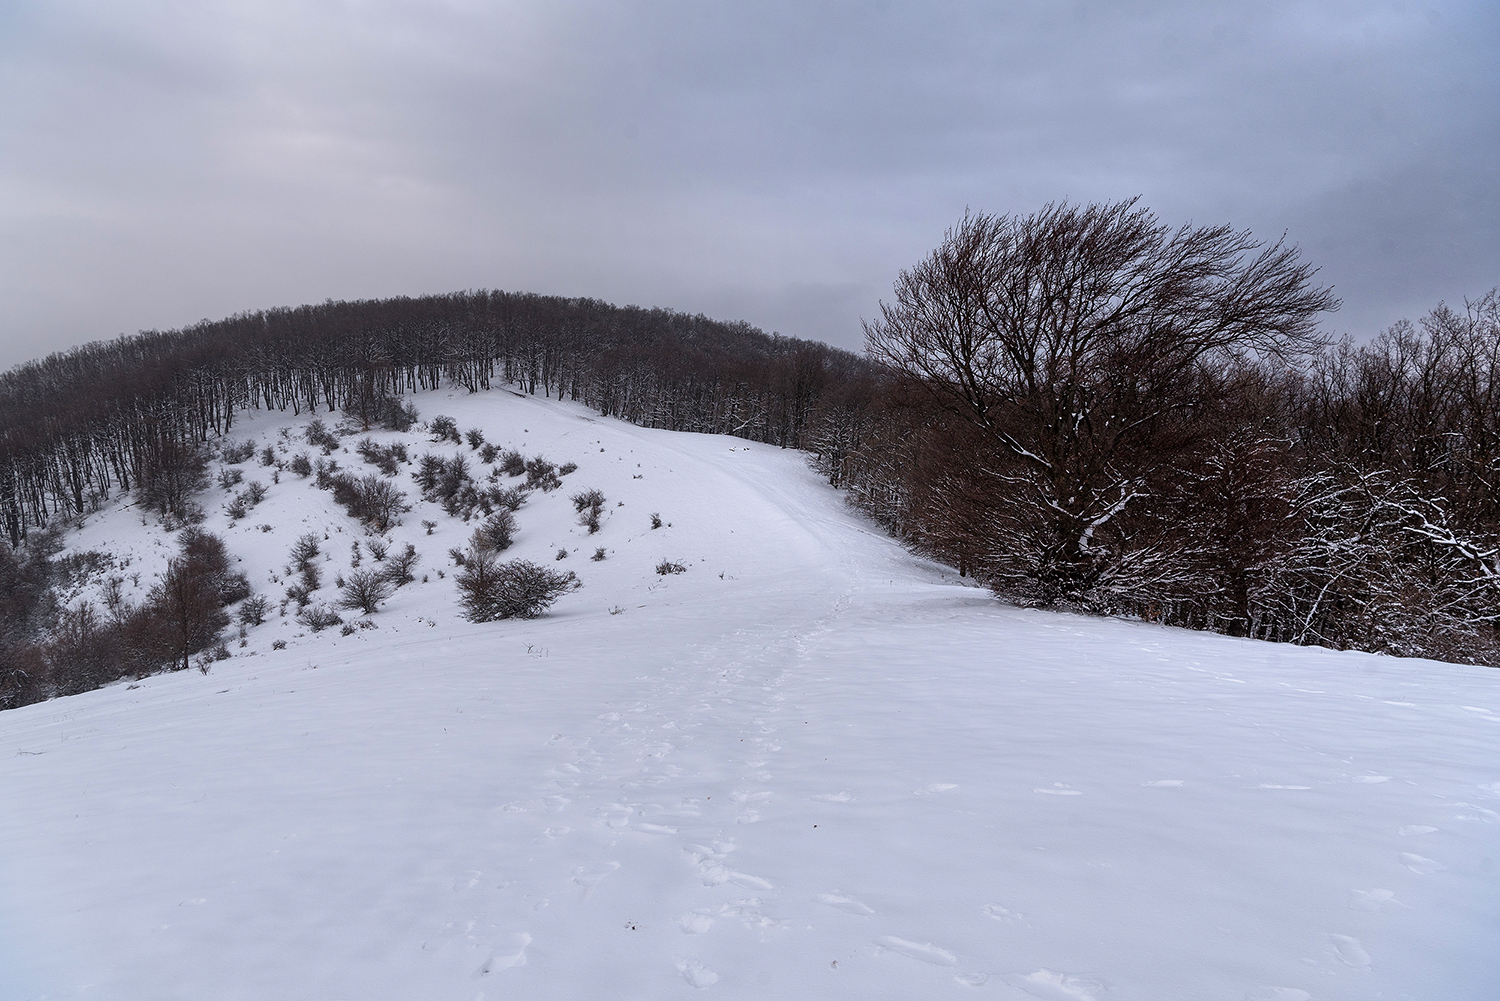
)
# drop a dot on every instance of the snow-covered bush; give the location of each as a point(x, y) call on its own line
point(490, 589)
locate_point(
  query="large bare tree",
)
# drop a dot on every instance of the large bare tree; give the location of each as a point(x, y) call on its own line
point(1076, 341)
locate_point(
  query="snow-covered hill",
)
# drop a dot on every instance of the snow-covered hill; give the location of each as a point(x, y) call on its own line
point(809, 766)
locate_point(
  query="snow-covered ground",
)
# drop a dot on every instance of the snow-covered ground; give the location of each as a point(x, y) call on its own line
point(811, 766)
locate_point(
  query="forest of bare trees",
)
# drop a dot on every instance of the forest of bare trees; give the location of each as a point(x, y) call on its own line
point(131, 413)
point(1085, 409)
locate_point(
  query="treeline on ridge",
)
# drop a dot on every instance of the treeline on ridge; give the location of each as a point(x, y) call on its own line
point(119, 415)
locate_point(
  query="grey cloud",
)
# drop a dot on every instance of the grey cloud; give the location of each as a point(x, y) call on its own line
point(772, 161)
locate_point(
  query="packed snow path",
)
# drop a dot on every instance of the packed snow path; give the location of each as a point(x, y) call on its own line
point(808, 767)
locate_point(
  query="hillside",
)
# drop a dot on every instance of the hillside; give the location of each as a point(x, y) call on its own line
point(809, 765)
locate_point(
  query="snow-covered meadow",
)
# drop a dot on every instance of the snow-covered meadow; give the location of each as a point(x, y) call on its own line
point(809, 766)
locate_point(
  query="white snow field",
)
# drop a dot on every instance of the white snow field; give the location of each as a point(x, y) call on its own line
point(810, 766)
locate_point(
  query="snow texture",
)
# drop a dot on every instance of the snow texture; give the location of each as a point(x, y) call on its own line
point(809, 766)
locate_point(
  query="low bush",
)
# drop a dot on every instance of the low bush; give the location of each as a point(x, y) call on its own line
point(490, 589)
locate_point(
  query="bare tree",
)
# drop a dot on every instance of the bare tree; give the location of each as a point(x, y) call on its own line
point(1073, 339)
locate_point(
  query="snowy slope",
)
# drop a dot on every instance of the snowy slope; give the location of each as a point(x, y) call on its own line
point(810, 766)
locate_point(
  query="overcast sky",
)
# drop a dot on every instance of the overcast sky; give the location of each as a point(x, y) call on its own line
point(777, 162)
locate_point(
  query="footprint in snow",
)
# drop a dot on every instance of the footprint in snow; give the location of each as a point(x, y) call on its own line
point(834, 797)
point(589, 876)
point(748, 817)
point(696, 923)
point(974, 979)
point(511, 954)
point(846, 904)
point(1412, 830)
point(1163, 784)
point(928, 790)
point(1058, 789)
point(924, 952)
point(1372, 779)
point(1278, 994)
point(1050, 985)
point(696, 974)
point(1003, 913)
point(1421, 865)
point(1270, 785)
point(1349, 951)
point(1371, 900)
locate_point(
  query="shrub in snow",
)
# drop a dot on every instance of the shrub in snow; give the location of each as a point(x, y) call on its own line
point(236, 454)
point(319, 617)
point(668, 566)
point(489, 589)
point(317, 433)
point(512, 463)
point(488, 452)
point(364, 590)
point(541, 475)
point(655, 520)
point(474, 437)
point(378, 549)
point(562, 554)
point(566, 468)
point(398, 567)
point(387, 458)
point(444, 428)
point(598, 555)
point(268, 456)
point(253, 610)
point(301, 464)
point(228, 478)
point(590, 505)
point(497, 532)
point(508, 497)
point(374, 501)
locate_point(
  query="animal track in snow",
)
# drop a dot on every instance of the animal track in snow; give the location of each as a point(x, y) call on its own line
point(834, 797)
point(556, 803)
point(1350, 952)
point(1372, 779)
point(748, 817)
point(846, 904)
point(696, 974)
point(1059, 789)
point(1271, 785)
point(925, 952)
point(1371, 900)
point(1050, 985)
point(1278, 994)
point(1163, 784)
point(972, 979)
point(928, 790)
point(1421, 865)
